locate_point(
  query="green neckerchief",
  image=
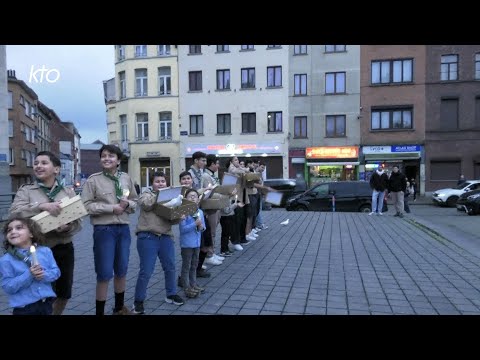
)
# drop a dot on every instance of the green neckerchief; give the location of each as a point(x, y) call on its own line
point(16, 254)
point(116, 180)
point(51, 192)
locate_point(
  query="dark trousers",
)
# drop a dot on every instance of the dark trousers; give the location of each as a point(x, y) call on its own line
point(206, 240)
point(41, 307)
point(229, 232)
point(241, 221)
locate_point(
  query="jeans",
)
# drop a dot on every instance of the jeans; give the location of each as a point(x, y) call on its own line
point(189, 266)
point(149, 246)
point(377, 199)
point(259, 216)
point(111, 250)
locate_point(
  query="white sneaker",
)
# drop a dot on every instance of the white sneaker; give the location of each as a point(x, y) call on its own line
point(257, 229)
point(253, 234)
point(204, 267)
point(213, 261)
point(218, 257)
point(254, 231)
point(264, 227)
point(380, 213)
point(372, 213)
point(238, 247)
point(250, 238)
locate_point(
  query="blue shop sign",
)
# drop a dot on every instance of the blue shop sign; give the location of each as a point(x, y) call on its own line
point(406, 148)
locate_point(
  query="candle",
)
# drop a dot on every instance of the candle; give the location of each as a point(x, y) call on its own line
point(126, 192)
point(33, 255)
point(236, 198)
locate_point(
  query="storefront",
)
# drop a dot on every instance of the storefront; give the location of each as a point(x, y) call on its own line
point(151, 164)
point(274, 155)
point(331, 163)
point(408, 158)
point(296, 159)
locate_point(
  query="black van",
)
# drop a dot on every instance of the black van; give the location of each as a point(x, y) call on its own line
point(349, 196)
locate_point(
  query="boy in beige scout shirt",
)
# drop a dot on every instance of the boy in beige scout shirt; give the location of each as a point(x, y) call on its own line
point(45, 195)
point(109, 197)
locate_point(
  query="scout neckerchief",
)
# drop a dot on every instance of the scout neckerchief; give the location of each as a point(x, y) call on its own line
point(16, 254)
point(116, 180)
point(51, 192)
point(198, 176)
point(212, 174)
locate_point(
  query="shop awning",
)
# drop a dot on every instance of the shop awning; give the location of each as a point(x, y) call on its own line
point(332, 163)
point(393, 156)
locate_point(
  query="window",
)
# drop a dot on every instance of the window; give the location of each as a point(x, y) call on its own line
point(140, 50)
point(449, 67)
point(123, 85)
point(10, 128)
point(274, 46)
point(248, 78)
point(223, 79)
point(335, 126)
point(224, 124)
point(195, 49)
point(300, 127)
point(249, 122)
point(165, 125)
point(299, 49)
point(477, 117)
point(335, 48)
point(223, 48)
point(248, 47)
point(335, 83)
point(10, 100)
point(22, 100)
point(195, 80)
point(142, 127)
point(28, 158)
point(164, 81)
point(141, 88)
point(392, 71)
point(27, 108)
point(163, 50)
point(123, 127)
point(274, 121)
point(196, 124)
point(449, 114)
point(121, 52)
point(477, 66)
point(392, 119)
point(274, 76)
point(300, 84)
point(11, 157)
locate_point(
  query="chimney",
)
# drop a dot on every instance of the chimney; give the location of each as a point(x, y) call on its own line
point(11, 74)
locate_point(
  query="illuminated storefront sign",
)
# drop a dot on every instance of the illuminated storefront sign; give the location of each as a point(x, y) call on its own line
point(234, 149)
point(332, 152)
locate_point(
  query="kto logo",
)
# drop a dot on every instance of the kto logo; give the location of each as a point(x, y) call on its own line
point(50, 75)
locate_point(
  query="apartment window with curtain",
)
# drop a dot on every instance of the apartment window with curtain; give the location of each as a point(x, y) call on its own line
point(274, 47)
point(164, 81)
point(223, 79)
point(195, 81)
point(449, 114)
point(335, 83)
point(140, 50)
point(300, 49)
point(392, 119)
point(10, 100)
point(392, 71)
point(300, 81)
point(121, 52)
point(123, 128)
point(142, 127)
point(248, 78)
point(123, 85)
point(449, 67)
point(10, 128)
point(335, 126)
point(163, 50)
point(224, 124)
point(196, 124)
point(274, 76)
point(335, 48)
point(300, 127)
point(195, 49)
point(223, 48)
point(141, 88)
point(274, 119)
point(249, 123)
point(11, 157)
point(248, 47)
point(165, 125)
point(477, 66)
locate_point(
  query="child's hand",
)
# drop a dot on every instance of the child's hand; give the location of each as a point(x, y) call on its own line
point(124, 202)
point(198, 222)
point(240, 204)
point(118, 209)
point(52, 207)
point(37, 272)
point(64, 228)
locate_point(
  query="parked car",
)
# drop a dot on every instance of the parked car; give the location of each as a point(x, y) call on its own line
point(289, 187)
point(450, 196)
point(349, 196)
point(462, 200)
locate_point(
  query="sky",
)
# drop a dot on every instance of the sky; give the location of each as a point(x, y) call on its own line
point(72, 82)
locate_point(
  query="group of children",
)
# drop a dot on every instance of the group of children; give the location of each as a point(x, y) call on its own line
point(40, 282)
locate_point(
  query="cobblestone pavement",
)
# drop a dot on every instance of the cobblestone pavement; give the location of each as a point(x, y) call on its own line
point(321, 263)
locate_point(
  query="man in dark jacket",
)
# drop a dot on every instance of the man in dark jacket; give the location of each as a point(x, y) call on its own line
point(378, 183)
point(397, 185)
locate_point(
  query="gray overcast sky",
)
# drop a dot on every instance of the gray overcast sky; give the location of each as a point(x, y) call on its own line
point(77, 95)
